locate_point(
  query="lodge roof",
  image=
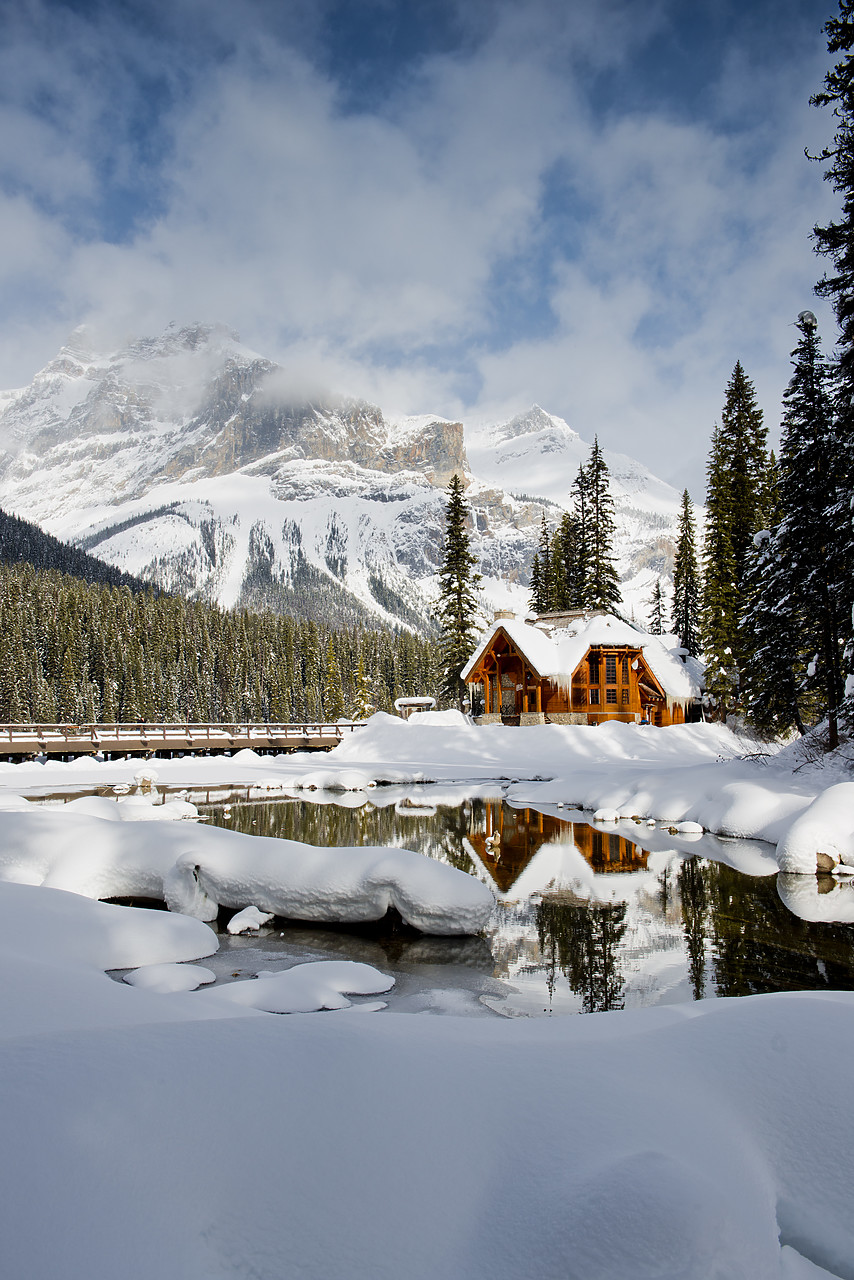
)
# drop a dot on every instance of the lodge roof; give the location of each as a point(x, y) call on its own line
point(555, 648)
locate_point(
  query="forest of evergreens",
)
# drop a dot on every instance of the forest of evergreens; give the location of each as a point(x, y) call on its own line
point(76, 652)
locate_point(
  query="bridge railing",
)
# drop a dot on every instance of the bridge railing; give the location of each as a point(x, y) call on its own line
point(86, 738)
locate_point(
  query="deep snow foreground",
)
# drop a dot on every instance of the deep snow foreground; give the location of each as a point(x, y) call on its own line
point(180, 1136)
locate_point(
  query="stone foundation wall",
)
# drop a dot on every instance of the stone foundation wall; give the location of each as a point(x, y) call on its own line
point(567, 717)
point(532, 717)
point(492, 718)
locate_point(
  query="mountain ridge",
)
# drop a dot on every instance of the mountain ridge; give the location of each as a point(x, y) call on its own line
point(185, 459)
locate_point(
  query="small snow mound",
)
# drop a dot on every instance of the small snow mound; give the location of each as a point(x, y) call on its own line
point(689, 828)
point(443, 719)
point(168, 978)
point(145, 775)
point(143, 809)
point(95, 807)
point(14, 803)
point(331, 780)
point(306, 988)
point(606, 815)
point(248, 920)
point(822, 836)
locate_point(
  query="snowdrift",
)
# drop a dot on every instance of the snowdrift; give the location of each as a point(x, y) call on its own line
point(196, 870)
point(189, 1135)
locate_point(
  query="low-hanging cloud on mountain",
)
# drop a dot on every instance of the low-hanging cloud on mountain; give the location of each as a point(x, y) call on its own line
point(521, 207)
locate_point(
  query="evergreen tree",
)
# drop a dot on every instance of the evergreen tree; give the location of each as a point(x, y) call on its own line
point(333, 693)
point(685, 612)
point(798, 614)
point(656, 617)
point(736, 504)
point(603, 584)
point(363, 705)
point(836, 242)
point(772, 677)
point(578, 560)
point(541, 572)
point(573, 569)
point(457, 605)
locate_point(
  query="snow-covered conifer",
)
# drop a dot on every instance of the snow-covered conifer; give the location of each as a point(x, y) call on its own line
point(457, 609)
point(685, 610)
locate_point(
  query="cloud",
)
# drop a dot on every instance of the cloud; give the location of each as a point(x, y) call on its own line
point(487, 225)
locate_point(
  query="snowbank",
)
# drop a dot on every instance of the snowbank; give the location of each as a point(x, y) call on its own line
point(823, 832)
point(195, 870)
point(693, 1143)
point(190, 1135)
point(703, 774)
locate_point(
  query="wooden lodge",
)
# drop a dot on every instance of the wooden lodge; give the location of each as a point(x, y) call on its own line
point(575, 668)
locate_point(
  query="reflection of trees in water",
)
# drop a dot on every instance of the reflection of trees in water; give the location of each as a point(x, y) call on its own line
point(583, 941)
point(739, 936)
point(440, 835)
point(757, 945)
point(694, 901)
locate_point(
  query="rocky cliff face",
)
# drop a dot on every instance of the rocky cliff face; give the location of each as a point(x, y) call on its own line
point(180, 458)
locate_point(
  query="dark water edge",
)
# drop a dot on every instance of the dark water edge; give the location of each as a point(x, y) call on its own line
point(664, 924)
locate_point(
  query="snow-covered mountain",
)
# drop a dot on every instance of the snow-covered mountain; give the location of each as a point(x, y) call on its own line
point(186, 459)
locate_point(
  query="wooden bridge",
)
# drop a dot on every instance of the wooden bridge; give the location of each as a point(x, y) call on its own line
point(21, 741)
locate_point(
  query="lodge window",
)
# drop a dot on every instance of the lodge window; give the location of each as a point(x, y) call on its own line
point(593, 664)
point(610, 668)
point(594, 696)
point(625, 671)
point(625, 697)
point(610, 695)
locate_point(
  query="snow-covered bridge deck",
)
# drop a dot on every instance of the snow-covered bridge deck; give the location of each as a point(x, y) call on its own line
point(19, 741)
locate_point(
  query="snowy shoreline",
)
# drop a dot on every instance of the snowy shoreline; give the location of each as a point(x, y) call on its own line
point(699, 774)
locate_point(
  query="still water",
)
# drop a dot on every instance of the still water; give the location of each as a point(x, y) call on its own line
point(588, 918)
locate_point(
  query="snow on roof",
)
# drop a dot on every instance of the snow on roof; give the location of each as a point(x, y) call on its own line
point(554, 652)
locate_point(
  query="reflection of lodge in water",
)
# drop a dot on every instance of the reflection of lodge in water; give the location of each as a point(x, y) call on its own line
point(512, 837)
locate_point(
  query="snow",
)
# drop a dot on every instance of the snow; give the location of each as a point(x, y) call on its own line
point(151, 1128)
point(190, 1135)
point(703, 774)
point(248, 920)
point(825, 827)
point(167, 978)
point(198, 869)
point(306, 988)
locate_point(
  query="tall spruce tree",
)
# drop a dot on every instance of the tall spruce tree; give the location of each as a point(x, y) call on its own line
point(457, 605)
point(836, 242)
point(798, 612)
point(736, 504)
point(685, 610)
point(771, 686)
point(656, 610)
point(603, 585)
point(541, 572)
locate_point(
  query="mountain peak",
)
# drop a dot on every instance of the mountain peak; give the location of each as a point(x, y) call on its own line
point(530, 422)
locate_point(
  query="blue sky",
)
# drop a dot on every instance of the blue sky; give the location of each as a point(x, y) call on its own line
point(456, 206)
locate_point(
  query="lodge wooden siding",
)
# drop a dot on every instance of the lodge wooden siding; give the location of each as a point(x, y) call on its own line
point(610, 683)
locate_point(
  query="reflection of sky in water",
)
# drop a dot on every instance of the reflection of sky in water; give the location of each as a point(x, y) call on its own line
point(588, 917)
